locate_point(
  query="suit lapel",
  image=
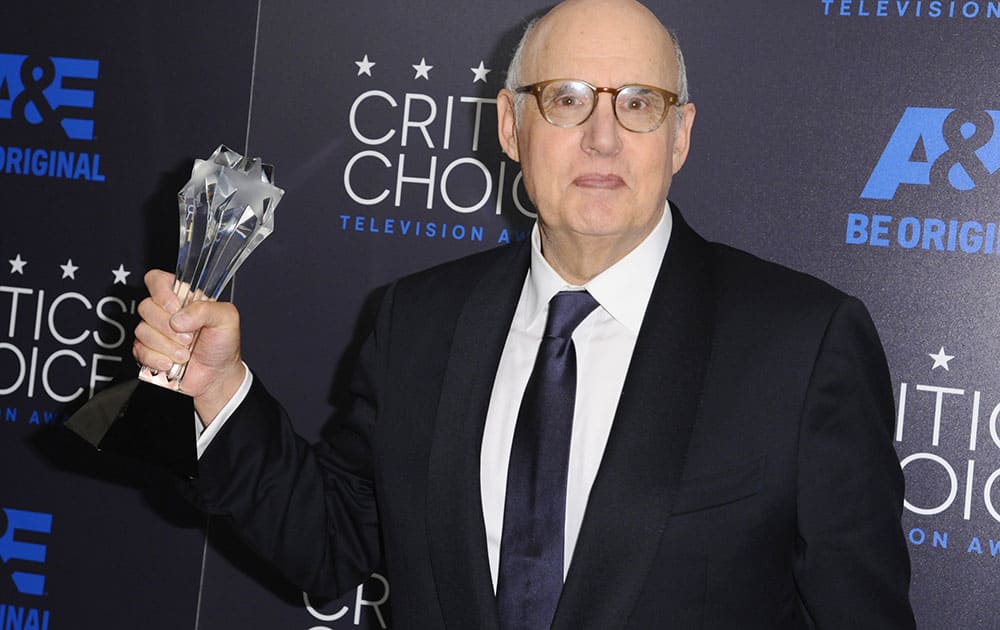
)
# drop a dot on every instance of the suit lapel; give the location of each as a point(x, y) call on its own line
point(456, 533)
point(644, 458)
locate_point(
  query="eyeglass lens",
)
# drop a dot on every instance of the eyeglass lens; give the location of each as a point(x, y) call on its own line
point(570, 103)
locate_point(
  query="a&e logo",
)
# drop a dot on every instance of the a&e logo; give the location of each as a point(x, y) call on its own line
point(14, 549)
point(935, 145)
point(49, 91)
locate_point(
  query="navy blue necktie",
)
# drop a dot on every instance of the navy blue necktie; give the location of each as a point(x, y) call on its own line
point(531, 548)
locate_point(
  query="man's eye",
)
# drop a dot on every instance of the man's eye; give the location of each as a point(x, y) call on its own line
point(636, 104)
point(567, 101)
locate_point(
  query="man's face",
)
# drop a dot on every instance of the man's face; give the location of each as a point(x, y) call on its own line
point(597, 179)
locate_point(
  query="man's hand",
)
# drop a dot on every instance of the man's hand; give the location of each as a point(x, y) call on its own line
point(215, 371)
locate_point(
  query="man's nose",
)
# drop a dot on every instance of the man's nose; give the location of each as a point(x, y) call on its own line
point(602, 132)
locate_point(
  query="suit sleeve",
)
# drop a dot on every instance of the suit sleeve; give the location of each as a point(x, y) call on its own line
point(309, 510)
point(852, 565)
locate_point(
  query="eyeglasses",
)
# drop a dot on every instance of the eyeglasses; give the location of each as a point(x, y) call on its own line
point(570, 102)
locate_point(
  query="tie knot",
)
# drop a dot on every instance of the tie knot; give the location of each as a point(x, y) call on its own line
point(566, 310)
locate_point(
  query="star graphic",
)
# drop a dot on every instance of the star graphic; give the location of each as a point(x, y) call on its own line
point(480, 72)
point(365, 66)
point(941, 359)
point(69, 269)
point(422, 69)
point(17, 264)
point(120, 274)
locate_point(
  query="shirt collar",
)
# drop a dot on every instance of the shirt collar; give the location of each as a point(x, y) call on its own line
point(622, 289)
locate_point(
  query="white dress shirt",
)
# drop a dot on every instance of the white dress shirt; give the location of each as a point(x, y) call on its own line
point(604, 342)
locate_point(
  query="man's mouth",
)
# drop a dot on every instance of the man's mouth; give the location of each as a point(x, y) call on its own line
point(599, 180)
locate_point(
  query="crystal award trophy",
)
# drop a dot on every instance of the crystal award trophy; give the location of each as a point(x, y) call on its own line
point(226, 210)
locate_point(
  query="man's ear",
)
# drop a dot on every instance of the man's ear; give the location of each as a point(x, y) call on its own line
point(682, 138)
point(507, 124)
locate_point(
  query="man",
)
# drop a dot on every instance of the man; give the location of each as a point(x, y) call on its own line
point(729, 461)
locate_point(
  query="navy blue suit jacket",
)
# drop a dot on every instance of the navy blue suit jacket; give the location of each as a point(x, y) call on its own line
point(749, 480)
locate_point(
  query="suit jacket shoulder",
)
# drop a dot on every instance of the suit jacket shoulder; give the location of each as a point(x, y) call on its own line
point(767, 285)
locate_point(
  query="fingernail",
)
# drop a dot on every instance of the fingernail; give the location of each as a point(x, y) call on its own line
point(185, 338)
point(179, 320)
point(180, 355)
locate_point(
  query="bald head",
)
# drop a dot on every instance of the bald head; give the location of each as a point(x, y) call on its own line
point(622, 28)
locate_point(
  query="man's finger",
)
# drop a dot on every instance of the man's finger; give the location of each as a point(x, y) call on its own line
point(205, 314)
point(160, 285)
point(159, 319)
point(154, 342)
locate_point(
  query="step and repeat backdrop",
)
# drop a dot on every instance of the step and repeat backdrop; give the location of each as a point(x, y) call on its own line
point(857, 140)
